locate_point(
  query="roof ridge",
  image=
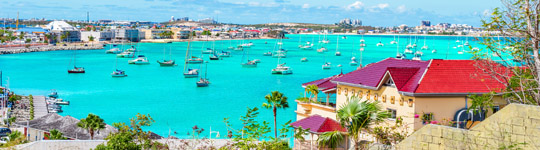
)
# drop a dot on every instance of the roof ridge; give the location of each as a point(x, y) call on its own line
point(323, 124)
point(423, 74)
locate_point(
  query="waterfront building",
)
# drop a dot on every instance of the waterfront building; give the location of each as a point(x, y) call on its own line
point(60, 28)
point(426, 23)
point(155, 33)
point(418, 92)
point(98, 35)
point(127, 35)
point(208, 20)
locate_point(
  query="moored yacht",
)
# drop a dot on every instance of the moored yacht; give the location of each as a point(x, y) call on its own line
point(140, 60)
point(118, 73)
point(282, 69)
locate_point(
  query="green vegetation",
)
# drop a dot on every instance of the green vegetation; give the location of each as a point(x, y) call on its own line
point(132, 137)
point(15, 138)
point(92, 123)
point(274, 101)
point(91, 38)
point(31, 107)
point(252, 132)
point(313, 90)
point(330, 139)
point(166, 34)
point(299, 135)
point(358, 116)
point(55, 135)
point(389, 135)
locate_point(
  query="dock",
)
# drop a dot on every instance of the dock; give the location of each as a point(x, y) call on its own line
point(40, 106)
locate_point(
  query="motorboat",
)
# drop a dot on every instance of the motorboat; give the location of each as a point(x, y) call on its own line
point(282, 69)
point(380, 44)
point(208, 51)
point(304, 59)
point(338, 53)
point(53, 94)
point(279, 54)
point(393, 42)
point(118, 73)
point(322, 50)
point(131, 49)
point(353, 63)
point(434, 51)
point(425, 47)
point(140, 60)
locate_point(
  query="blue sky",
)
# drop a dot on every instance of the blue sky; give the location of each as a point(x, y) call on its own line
point(371, 12)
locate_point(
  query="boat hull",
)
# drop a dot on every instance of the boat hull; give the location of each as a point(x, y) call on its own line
point(249, 65)
point(74, 71)
point(214, 58)
point(286, 72)
point(191, 75)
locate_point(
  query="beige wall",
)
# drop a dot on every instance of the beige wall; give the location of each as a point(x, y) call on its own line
point(443, 107)
point(304, 110)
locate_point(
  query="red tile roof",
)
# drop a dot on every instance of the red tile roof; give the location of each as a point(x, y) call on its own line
point(457, 76)
point(318, 124)
point(372, 74)
point(325, 83)
point(427, 77)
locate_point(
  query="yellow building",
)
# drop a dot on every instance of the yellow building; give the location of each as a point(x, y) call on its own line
point(419, 92)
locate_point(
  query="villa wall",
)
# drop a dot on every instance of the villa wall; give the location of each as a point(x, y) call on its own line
point(515, 125)
point(61, 145)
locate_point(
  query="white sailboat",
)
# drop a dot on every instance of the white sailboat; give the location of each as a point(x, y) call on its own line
point(337, 47)
point(425, 47)
point(189, 72)
point(281, 68)
point(249, 63)
point(398, 54)
point(394, 41)
point(203, 82)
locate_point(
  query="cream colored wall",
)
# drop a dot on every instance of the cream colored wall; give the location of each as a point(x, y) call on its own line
point(304, 110)
point(403, 109)
point(147, 33)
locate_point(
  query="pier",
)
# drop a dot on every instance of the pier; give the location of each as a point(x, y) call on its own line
point(40, 106)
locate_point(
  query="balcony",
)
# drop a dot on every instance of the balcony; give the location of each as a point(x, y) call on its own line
point(317, 106)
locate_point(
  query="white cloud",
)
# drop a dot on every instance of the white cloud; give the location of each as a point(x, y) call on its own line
point(254, 3)
point(355, 5)
point(383, 6)
point(305, 6)
point(401, 9)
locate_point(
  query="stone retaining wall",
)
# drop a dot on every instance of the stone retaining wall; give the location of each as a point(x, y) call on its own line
point(47, 48)
point(515, 125)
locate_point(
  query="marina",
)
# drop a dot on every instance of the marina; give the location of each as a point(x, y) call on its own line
point(167, 95)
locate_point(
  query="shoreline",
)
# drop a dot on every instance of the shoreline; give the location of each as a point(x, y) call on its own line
point(17, 50)
point(389, 34)
point(197, 39)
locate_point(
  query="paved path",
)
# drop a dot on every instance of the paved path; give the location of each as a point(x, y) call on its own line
point(40, 106)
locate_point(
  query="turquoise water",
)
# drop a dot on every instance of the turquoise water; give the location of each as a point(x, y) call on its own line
point(174, 101)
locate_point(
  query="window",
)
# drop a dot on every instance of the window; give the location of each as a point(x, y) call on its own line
point(345, 91)
point(338, 90)
point(352, 92)
point(392, 99)
point(367, 95)
point(410, 102)
point(392, 113)
point(390, 82)
point(384, 98)
point(360, 94)
point(376, 97)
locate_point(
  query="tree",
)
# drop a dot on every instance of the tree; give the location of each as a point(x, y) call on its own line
point(55, 135)
point(132, 137)
point(21, 36)
point(274, 101)
point(330, 139)
point(358, 116)
point(92, 123)
point(299, 135)
point(517, 44)
point(251, 131)
point(91, 38)
point(313, 90)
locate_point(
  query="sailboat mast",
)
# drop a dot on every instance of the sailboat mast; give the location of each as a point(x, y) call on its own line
point(337, 44)
point(187, 52)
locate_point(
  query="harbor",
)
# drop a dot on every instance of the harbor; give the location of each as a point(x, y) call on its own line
point(151, 86)
point(45, 48)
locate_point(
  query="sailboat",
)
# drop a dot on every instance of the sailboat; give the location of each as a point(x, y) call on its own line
point(326, 65)
point(394, 41)
point(353, 59)
point(113, 50)
point(203, 82)
point(337, 47)
point(281, 68)
point(249, 63)
point(399, 55)
point(117, 72)
point(189, 72)
point(380, 42)
point(165, 62)
point(425, 47)
point(75, 68)
point(466, 41)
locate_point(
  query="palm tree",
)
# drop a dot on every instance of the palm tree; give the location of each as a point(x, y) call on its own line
point(92, 123)
point(299, 135)
point(55, 135)
point(358, 116)
point(330, 139)
point(312, 90)
point(274, 101)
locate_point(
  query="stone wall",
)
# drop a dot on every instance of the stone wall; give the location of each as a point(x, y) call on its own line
point(61, 145)
point(516, 126)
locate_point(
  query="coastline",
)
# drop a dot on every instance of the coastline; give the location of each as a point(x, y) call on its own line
point(388, 34)
point(17, 50)
point(200, 39)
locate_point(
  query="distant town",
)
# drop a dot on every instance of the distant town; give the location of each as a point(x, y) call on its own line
point(28, 31)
